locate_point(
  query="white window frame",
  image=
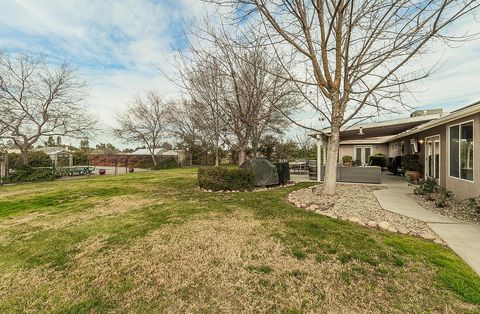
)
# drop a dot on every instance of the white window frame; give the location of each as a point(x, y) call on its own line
point(439, 136)
point(363, 152)
point(459, 161)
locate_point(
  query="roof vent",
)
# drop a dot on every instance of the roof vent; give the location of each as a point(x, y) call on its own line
point(420, 113)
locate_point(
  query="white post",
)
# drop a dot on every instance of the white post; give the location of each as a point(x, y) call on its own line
point(319, 157)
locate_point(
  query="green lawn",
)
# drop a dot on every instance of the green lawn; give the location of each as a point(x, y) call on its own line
point(151, 242)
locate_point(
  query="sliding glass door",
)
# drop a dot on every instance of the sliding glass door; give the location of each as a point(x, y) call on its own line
point(432, 157)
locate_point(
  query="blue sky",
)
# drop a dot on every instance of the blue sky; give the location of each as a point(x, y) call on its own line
point(118, 47)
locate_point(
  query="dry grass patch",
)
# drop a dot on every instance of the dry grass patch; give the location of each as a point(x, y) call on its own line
point(223, 263)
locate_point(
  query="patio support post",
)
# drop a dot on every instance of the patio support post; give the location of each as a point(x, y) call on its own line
point(319, 157)
point(70, 160)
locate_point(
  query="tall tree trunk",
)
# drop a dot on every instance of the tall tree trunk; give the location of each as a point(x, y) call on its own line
point(154, 159)
point(330, 181)
point(217, 140)
point(242, 155)
point(24, 155)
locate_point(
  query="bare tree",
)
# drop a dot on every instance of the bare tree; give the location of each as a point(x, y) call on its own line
point(187, 128)
point(145, 121)
point(354, 54)
point(242, 93)
point(38, 101)
point(305, 143)
point(202, 80)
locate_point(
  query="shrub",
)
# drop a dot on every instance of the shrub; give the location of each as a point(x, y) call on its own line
point(29, 174)
point(357, 163)
point(474, 204)
point(442, 196)
point(167, 163)
point(377, 160)
point(35, 159)
point(427, 187)
point(347, 160)
point(80, 157)
point(433, 192)
point(412, 163)
point(226, 179)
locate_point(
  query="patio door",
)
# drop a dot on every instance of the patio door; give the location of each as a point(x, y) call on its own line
point(363, 153)
point(432, 157)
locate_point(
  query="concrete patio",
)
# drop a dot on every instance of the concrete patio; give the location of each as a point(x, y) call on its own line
point(460, 236)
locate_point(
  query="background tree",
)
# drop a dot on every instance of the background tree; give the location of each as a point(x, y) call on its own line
point(38, 101)
point(50, 142)
point(354, 54)
point(145, 121)
point(243, 94)
point(107, 148)
point(85, 144)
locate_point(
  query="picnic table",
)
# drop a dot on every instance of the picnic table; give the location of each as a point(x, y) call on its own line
point(77, 171)
point(298, 167)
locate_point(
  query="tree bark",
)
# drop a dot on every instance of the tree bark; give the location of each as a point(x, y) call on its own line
point(154, 159)
point(242, 156)
point(330, 181)
point(24, 156)
point(216, 151)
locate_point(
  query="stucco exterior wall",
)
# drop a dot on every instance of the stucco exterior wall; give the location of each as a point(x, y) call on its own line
point(464, 188)
point(348, 149)
point(461, 188)
point(438, 131)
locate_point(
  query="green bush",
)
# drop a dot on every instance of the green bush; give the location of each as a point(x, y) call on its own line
point(442, 196)
point(30, 174)
point(347, 160)
point(225, 179)
point(167, 163)
point(433, 192)
point(474, 204)
point(426, 187)
point(377, 160)
point(35, 159)
point(412, 163)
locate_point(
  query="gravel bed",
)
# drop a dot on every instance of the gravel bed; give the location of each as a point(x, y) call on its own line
point(358, 204)
point(455, 208)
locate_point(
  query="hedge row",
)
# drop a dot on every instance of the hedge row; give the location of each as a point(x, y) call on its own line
point(31, 174)
point(226, 179)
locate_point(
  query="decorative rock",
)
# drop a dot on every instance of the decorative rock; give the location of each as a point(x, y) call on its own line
point(361, 223)
point(372, 223)
point(428, 236)
point(438, 241)
point(312, 208)
point(354, 219)
point(393, 230)
point(383, 225)
point(402, 230)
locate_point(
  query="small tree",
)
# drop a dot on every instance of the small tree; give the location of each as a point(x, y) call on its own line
point(145, 122)
point(39, 101)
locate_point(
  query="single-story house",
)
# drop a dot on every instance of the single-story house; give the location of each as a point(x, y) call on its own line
point(53, 152)
point(179, 155)
point(57, 152)
point(448, 145)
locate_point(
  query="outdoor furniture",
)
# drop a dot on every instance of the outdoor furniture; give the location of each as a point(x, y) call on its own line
point(102, 172)
point(298, 167)
point(368, 174)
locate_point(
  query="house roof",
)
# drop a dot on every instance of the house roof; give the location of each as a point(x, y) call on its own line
point(369, 140)
point(53, 150)
point(381, 129)
point(145, 152)
point(454, 115)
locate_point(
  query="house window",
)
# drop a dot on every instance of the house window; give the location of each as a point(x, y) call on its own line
point(461, 151)
point(363, 153)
